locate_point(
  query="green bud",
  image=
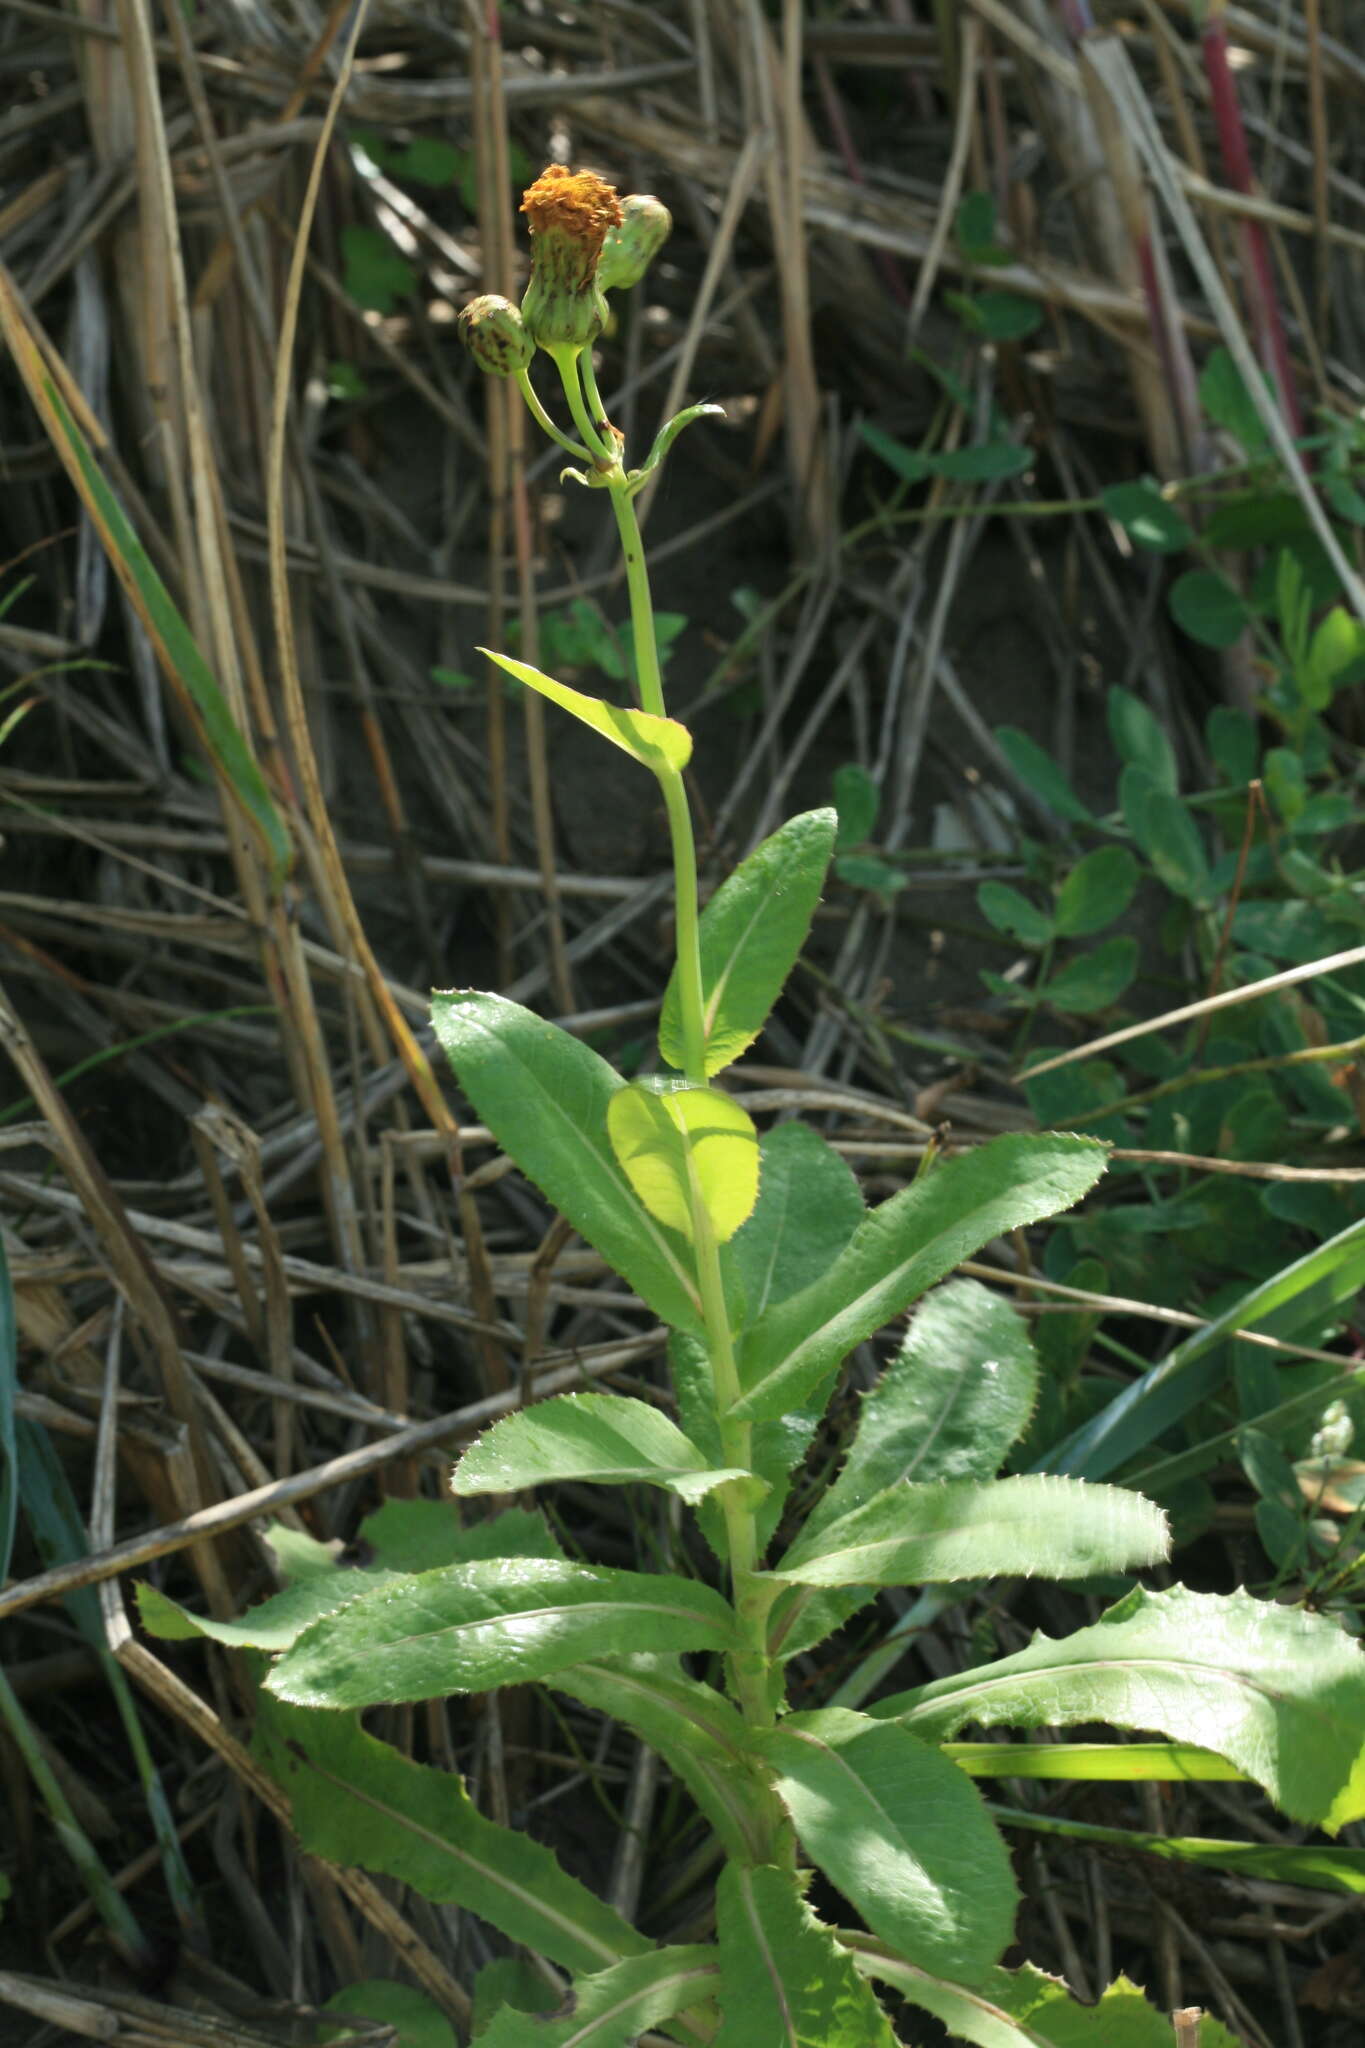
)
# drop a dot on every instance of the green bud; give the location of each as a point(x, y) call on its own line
point(495, 334)
point(570, 213)
point(629, 249)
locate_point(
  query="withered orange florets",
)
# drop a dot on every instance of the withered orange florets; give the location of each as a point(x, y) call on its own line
point(578, 204)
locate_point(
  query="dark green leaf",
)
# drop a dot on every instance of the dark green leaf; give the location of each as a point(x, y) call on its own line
point(1229, 404)
point(1040, 773)
point(751, 932)
point(1163, 826)
point(989, 462)
point(1098, 889)
point(615, 2007)
point(544, 1095)
point(698, 1733)
point(416, 2022)
point(358, 1803)
point(997, 316)
point(888, 1823)
point(474, 1626)
point(784, 1980)
point(1147, 515)
point(9, 1388)
point(1234, 743)
point(910, 464)
point(373, 272)
point(1025, 2009)
point(856, 799)
point(900, 1250)
point(1210, 610)
point(1094, 980)
point(1011, 912)
point(1139, 739)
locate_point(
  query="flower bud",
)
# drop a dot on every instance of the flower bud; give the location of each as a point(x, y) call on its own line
point(629, 249)
point(570, 214)
point(495, 334)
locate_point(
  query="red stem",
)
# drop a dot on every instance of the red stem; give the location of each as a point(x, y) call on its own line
point(1258, 277)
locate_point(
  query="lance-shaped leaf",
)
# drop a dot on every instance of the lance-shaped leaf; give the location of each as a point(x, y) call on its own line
point(1300, 1296)
point(683, 1146)
point(930, 1535)
point(953, 1399)
point(657, 743)
point(1279, 1692)
point(751, 932)
point(1307, 1863)
point(697, 1733)
point(545, 1096)
point(1025, 2009)
point(889, 1825)
point(206, 708)
point(613, 2008)
point(901, 1249)
point(784, 1979)
point(498, 1622)
point(948, 1406)
point(603, 1438)
point(1093, 1762)
point(358, 1803)
point(277, 1623)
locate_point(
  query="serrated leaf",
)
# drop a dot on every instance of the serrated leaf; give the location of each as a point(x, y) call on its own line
point(1041, 774)
point(1010, 911)
point(1277, 1691)
point(751, 933)
point(498, 1622)
point(1098, 889)
point(784, 1979)
point(277, 1623)
point(1025, 2009)
point(1147, 515)
point(889, 1826)
point(949, 1405)
point(656, 743)
point(420, 1535)
point(605, 1439)
point(545, 1097)
point(613, 2008)
point(955, 1397)
point(955, 1529)
point(680, 1146)
point(358, 1803)
point(695, 1730)
point(900, 1250)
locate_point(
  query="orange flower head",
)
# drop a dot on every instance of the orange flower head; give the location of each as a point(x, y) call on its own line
point(570, 215)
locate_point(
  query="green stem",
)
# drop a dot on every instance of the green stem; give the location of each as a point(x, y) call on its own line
point(543, 420)
point(567, 362)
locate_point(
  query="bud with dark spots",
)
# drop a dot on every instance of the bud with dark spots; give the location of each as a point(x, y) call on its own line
point(571, 214)
point(631, 247)
point(495, 334)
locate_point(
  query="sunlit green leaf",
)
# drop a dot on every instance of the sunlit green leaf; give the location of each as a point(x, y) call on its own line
point(654, 742)
point(679, 1146)
point(602, 1438)
point(784, 1980)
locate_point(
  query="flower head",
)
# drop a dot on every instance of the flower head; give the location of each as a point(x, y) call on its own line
point(495, 334)
point(570, 215)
